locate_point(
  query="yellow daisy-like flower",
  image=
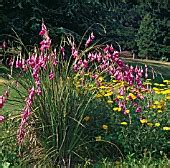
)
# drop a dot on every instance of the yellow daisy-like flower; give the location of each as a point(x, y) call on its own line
point(143, 121)
point(117, 109)
point(158, 92)
point(132, 96)
point(123, 123)
point(159, 107)
point(114, 81)
point(156, 102)
point(87, 118)
point(166, 91)
point(103, 87)
point(159, 111)
point(98, 138)
point(167, 97)
point(157, 124)
point(155, 88)
point(127, 111)
point(110, 101)
point(108, 94)
point(147, 83)
point(156, 84)
point(100, 79)
point(162, 84)
point(165, 81)
point(153, 106)
point(105, 127)
point(99, 95)
point(86, 74)
point(119, 97)
point(166, 128)
point(150, 124)
point(78, 86)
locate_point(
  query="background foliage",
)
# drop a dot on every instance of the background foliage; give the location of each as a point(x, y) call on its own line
point(123, 21)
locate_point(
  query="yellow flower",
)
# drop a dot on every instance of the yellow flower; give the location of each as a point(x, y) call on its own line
point(150, 124)
point(156, 84)
point(105, 127)
point(153, 106)
point(108, 94)
point(123, 123)
point(100, 79)
point(166, 91)
point(110, 101)
point(167, 97)
point(78, 86)
point(87, 118)
point(99, 95)
point(98, 138)
point(157, 124)
point(159, 111)
point(159, 107)
point(127, 111)
point(132, 96)
point(165, 81)
point(86, 74)
point(119, 97)
point(143, 121)
point(156, 102)
point(117, 109)
point(155, 88)
point(162, 85)
point(148, 83)
point(157, 92)
point(166, 128)
point(102, 87)
point(114, 81)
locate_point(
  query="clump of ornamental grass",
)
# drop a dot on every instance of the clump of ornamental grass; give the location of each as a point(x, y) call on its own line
point(51, 120)
point(72, 97)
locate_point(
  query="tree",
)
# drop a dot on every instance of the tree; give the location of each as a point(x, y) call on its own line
point(147, 37)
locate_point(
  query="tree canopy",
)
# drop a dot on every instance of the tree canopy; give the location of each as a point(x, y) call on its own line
point(125, 22)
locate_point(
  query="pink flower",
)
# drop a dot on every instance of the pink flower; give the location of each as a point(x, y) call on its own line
point(4, 44)
point(43, 29)
point(106, 49)
point(2, 100)
point(111, 48)
point(85, 63)
point(146, 71)
point(139, 109)
point(92, 36)
point(75, 67)
point(51, 75)
point(75, 54)
point(2, 118)
point(121, 91)
point(38, 91)
point(88, 42)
